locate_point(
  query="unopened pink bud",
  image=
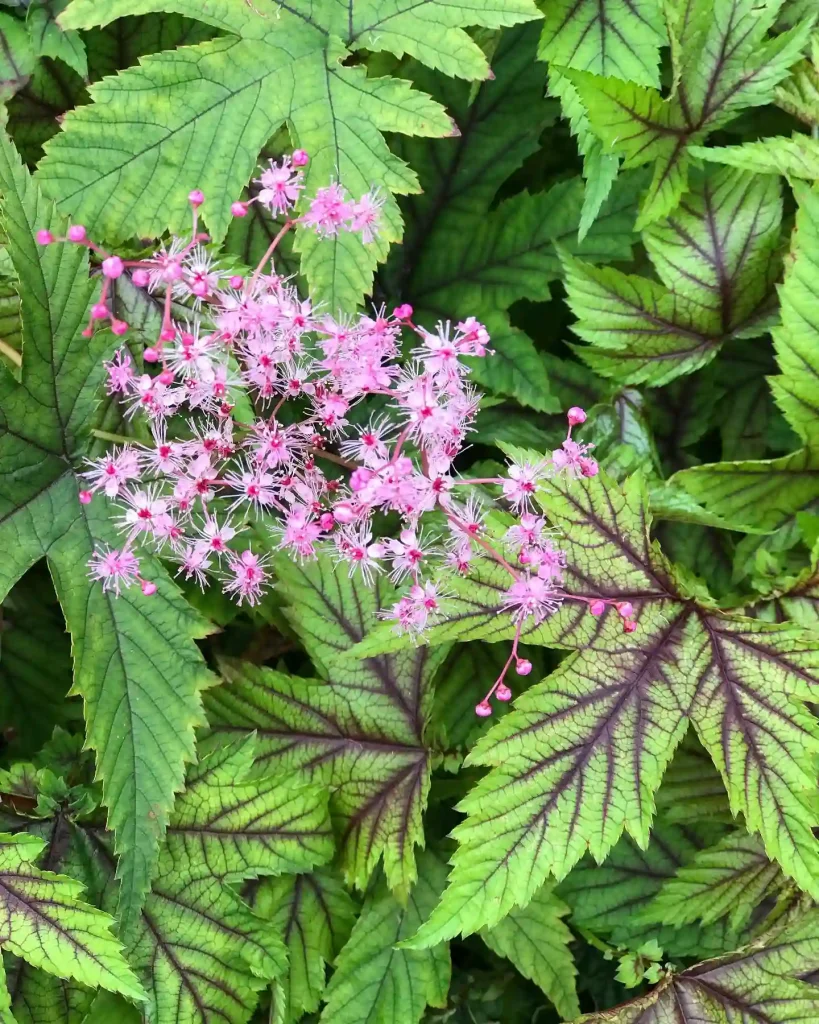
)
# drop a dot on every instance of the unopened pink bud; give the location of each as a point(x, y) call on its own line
point(200, 288)
point(85, 497)
point(237, 281)
point(344, 513)
point(167, 334)
point(113, 267)
point(141, 278)
point(196, 198)
point(99, 311)
point(239, 209)
point(625, 609)
point(148, 588)
point(150, 355)
point(327, 520)
point(119, 327)
point(299, 158)
point(524, 557)
point(597, 607)
point(402, 312)
point(576, 415)
point(359, 478)
point(77, 233)
point(523, 667)
point(44, 237)
point(484, 709)
point(589, 467)
point(629, 626)
point(166, 377)
point(87, 333)
point(503, 692)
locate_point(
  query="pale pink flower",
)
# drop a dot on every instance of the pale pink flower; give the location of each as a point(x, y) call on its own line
point(115, 569)
point(248, 577)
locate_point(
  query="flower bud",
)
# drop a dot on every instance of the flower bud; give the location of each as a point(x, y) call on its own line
point(344, 513)
point(327, 521)
point(113, 267)
point(238, 209)
point(85, 497)
point(402, 312)
point(148, 588)
point(523, 667)
point(99, 311)
point(237, 281)
point(597, 607)
point(166, 377)
point(625, 609)
point(503, 692)
point(484, 709)
point(629, 626)
point(141, 278)
point(150, 355)
point(167, 334)
point(588, 467)
point(196, 198)
point(119, 327)
point(576, 415)
point(77, 233)
point(299, 158)
point(44, 238)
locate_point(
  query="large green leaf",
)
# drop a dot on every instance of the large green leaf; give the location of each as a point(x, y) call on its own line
point(360, 730)
point(726, 62)
point(206, 111)
point(46, 923)
point(375, 983)
point(135, 663)
point(600, 731)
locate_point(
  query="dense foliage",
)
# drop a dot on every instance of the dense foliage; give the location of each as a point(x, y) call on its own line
point(486, 379)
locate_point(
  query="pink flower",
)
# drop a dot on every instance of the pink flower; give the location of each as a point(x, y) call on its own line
point(116, 569)
point(281, 185)
point(531, 596)
point(366, 216)
point(329, 212)
point(111, 472)
point(523, 482)
point(247, 577)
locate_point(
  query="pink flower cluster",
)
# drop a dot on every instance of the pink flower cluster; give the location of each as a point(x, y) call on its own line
point(257, 409)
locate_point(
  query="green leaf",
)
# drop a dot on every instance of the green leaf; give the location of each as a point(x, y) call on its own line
point(759, 983)
point(46, 924)
point(537, 941)
point(717, 258)
point(17, 56)
point(40, 998)
point(730, 879)
point(797, 157)
point(727, 63)
point(49, 40)
point(616, 38)
point(207, 110)
point(600, 731)
point(314, 916)
point(375, 983)
point(360, 730)
point(138, 672)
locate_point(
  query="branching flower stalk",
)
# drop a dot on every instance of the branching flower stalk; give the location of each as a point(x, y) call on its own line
point(189, 494)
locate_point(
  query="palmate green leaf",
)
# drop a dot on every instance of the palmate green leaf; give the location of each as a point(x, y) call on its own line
point(614, 38)
point(49, 40)
point(760, 983)
point(600, 731)
point(17, 55)
point(40, 998)
point(730, 879)
point(717, 258)
point(314, 915)
point(536, 941)
point(375, 983)
point(45, 923)
point(360, 730)
point(207, 110)
point(138, 671)
point(726, 63)
point(692, 790)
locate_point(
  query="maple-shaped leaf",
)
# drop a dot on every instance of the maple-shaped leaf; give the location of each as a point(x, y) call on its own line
point(615, 38)
point(375, 983)
point(726, 62)
point(795, 598)
point(729, 879)
point(205, 112)
point(717, 259)
point(761, 983)
point(536, 940)
point(136, 667)
point(769, 493)
point(612, 899)
point(314, 916)
point(45, 922)
point(692, 790)
point(360, 730)
point(600, 731)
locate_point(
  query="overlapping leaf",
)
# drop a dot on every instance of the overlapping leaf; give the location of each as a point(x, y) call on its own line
point(760, 983)
point(581, 756)
point(375, 983)
point(138, 672)
point(206, 111)
point(360, 730)
point(725, 62)
point(717, 259)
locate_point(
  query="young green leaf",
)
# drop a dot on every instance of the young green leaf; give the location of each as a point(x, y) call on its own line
point(207, 110)
point(726, 63)
point(314, 915)
point(360, 730)
point(139, 673)
point(797, 157)
point(46, 923)
point(375, 983)
point(536, 941)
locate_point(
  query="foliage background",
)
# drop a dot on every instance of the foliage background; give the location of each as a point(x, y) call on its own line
point(212, 815)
